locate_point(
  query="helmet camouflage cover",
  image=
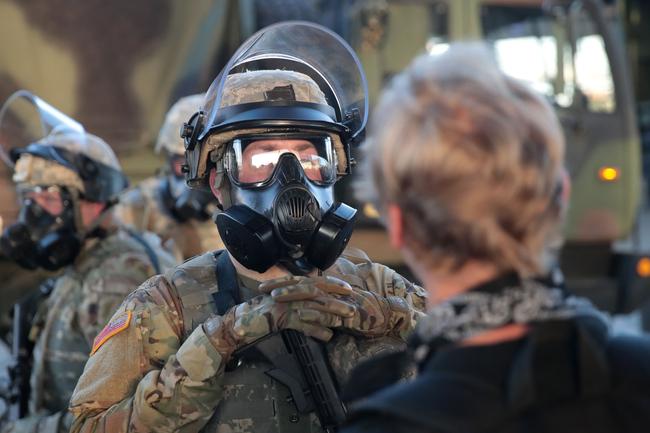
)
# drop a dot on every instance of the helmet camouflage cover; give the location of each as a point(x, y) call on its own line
point(168, 137)
point(73, 159)
point(258, 86)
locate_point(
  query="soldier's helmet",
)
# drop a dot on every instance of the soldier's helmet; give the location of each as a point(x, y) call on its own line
point(292, 76)
point(168, 137)
point(76, 160)
point(292, 81)
point(46, 147)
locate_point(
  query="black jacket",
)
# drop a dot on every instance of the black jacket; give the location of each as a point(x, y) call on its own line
point(565, 376)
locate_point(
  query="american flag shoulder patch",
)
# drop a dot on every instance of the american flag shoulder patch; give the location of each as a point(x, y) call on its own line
point(114, 327)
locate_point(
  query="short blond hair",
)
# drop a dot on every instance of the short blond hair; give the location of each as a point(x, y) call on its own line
point(473, 158)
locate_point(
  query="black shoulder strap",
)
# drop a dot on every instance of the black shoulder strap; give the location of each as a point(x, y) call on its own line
point(228, 294)
point(153, 258)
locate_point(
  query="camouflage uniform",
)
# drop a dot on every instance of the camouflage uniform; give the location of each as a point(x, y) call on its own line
point(141, 207)
point(82, 301)
point(162, 373)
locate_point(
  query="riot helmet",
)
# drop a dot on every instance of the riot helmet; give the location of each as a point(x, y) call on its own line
point(182, 203)
point(53, 173)
point(273, 136)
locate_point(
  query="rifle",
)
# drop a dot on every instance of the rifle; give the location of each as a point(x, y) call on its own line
point(22, 347)
point(299, 363)
point(19, 372)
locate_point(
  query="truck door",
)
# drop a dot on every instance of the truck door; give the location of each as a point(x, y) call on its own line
point(572, 52)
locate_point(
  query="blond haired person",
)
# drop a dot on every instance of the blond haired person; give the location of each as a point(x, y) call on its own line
point(468, 168)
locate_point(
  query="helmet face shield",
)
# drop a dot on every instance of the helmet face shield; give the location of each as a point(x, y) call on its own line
point(252, 161)
point(306, 48)
point(292, 74)
point(25, 118)
point(30, 126)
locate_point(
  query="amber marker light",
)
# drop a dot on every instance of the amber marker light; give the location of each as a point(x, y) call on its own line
point(370, 211)
point(643, 267)
point(608, 174)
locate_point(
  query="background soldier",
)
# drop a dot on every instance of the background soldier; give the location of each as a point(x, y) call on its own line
point(164, 204)
point(67, 183)
point(271, 143)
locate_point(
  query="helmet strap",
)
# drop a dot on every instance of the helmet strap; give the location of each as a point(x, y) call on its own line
point(221, 183)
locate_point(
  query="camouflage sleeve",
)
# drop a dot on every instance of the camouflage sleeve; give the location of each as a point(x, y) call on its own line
point(143, 378)
point(105, 287)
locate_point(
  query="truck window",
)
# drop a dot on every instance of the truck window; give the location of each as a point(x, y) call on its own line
point(535, 46)
point(532, 46)
point(593, 73)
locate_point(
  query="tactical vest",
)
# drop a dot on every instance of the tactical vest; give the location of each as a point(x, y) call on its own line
point(252, 401)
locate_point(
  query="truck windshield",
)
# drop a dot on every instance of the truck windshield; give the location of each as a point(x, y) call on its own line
point(560, 55)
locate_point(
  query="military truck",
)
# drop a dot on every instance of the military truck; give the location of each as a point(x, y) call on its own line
point(572, 52)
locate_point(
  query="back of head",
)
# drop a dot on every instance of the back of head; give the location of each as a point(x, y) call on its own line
point(473, 158)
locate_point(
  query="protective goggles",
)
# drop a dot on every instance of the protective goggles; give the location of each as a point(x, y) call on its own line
point(52, 199)
point(252, 161)
point(176, 163)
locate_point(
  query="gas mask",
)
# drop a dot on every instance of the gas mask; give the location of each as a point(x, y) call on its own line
point(45, 233)
point(183, 203)
point(282, 209)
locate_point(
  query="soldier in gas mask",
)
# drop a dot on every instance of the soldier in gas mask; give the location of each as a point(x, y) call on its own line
point(67, 183)
point(272, 138)
point(163, 204)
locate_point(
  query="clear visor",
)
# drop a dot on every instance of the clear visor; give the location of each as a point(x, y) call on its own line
point(252, 161)
point(25, 118)
point(307, 48)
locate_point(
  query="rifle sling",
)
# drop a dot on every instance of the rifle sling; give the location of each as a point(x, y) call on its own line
point(228, 294)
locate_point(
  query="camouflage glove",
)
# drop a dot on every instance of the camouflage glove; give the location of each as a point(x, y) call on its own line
point(309, 305)
point(378, 316)
point(374, 315)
